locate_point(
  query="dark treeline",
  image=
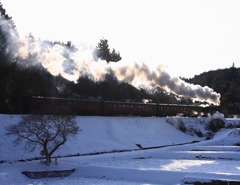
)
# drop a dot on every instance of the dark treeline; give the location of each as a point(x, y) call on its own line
point(227, 83)
point(19, 82)
point(20, 79)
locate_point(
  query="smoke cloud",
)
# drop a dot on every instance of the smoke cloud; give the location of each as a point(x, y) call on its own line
point(159, 77)
point(72, 63)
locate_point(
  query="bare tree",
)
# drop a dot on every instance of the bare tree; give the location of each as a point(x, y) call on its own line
point(47, 132)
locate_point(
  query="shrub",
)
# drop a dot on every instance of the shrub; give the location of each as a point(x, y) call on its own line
point(215, 125)
point(177, 123)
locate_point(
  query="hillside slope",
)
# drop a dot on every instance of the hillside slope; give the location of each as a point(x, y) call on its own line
point(100, 134)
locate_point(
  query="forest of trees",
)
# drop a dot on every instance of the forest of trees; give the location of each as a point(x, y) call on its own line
point(227, 83)
point(18, 82)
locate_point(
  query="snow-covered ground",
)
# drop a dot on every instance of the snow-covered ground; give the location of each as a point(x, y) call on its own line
point(217, 158)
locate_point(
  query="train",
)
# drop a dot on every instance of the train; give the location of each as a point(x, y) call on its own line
point(53, 105)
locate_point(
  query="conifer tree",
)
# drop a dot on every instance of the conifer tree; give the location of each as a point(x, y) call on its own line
point(103, 52)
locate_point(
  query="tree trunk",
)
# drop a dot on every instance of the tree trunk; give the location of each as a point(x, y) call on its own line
point(47, 154)
point(48, 158)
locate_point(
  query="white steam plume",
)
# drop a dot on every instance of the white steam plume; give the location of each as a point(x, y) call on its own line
point(159, 77)
point(73, 63)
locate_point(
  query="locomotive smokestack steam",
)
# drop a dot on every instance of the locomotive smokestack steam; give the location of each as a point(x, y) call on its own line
point(8, 40)
point(73, 62)
point(159, 77)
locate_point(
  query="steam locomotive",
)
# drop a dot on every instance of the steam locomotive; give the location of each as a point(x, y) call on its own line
point(52, 105)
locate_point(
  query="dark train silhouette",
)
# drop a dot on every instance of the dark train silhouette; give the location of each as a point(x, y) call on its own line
point(52, 105)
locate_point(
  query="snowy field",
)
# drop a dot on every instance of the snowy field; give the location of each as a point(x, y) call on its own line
point(217, 158)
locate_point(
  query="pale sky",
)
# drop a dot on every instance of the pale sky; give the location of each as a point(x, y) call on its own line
point(187, 36)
